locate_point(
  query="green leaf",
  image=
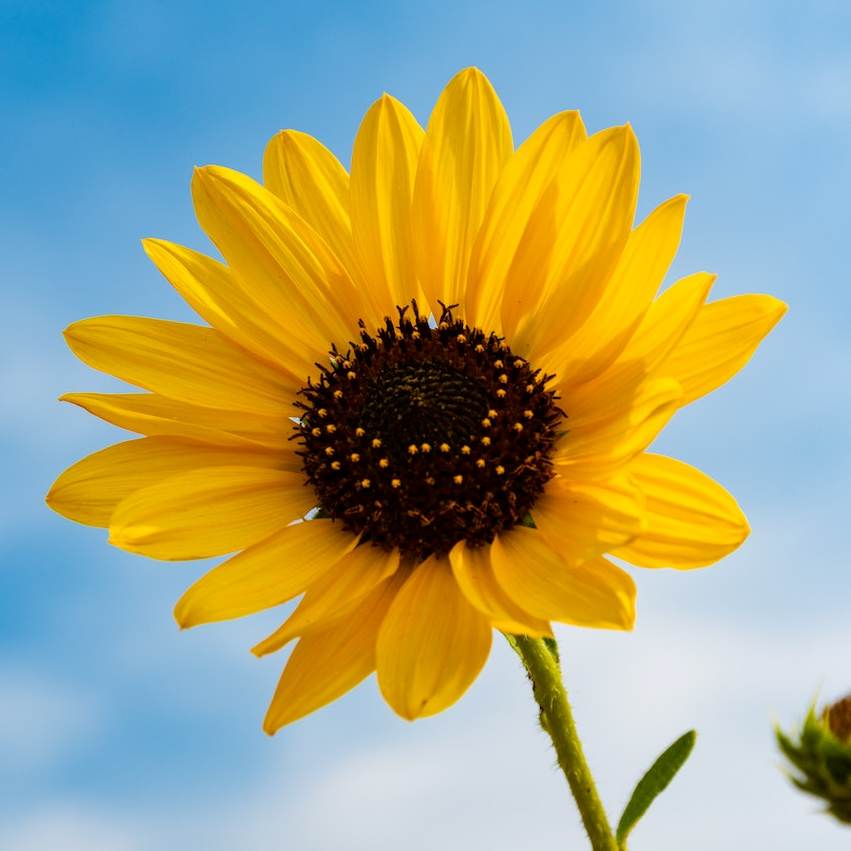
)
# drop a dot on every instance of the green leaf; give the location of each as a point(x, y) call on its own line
point(654, 782)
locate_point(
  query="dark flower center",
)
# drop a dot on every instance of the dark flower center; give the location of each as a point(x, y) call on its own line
point(421, 436)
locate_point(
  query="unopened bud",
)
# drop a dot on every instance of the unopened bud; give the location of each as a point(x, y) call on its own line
point(820, 753)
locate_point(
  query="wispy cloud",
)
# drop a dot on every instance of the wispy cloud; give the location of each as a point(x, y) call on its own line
point(482, 775)
point(69, 827)
point(42, 721)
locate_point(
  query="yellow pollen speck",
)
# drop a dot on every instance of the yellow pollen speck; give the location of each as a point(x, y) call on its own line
point(384, 463)
point(486, 441)
point(351, 376)
point(461, 339)
point(465, 450)
point(518, 426)
point(503, 379)
point(480, 348)
point(444, 447)
point(354, 457)
point(322, 413)
point(480, 463)
point(530, 388)
point(316, 431)
point(363, 347)
point(518, 363)
point(415, 335)
point(330, 428)
point(395, 483)
point(443, 326)
point(493, 414)
point(500, 469)
point(429, 480)
point(412, 449)
point(338, 394)
point(500, 394)
point(329, 450)
point(528, 414)
point(347, 364)
point(360, 432)
point(458, 479)
point(498, 364)
point(365, 483)
point(426, 447)
point(486, 423)
point(376, 443)
point(335, 465)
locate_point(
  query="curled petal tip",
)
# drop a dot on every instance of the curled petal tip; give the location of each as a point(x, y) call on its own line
point(181, 616)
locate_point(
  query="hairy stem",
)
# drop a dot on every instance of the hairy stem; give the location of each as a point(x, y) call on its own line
point(540, 657)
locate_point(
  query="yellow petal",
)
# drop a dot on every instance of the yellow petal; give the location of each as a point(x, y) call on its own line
point(432, 643)
point(188, 362)
point(306, 176)
point(472, 569)
point(691, 520)
point(265, 575)
point(665, 323)
point(536, 577)
point(329, 662)
point(615, 389)
point(219, 298)
point(90, 490)
point(289, 268)
point(721, 341)
point(586, 519)
point(151, 414)
point(527, 174)
point(573, 242)
point(597, 447)
point(208, 512)
point(333, 594)
point(467, 143)
point(384, 166)
point(639, 273)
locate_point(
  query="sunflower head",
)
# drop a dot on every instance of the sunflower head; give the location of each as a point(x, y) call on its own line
point(820, 753)
point(421, 397)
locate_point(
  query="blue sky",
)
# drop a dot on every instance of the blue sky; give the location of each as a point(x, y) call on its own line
point(117, 732)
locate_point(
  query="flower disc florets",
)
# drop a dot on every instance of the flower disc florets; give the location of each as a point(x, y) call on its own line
point(425, 434)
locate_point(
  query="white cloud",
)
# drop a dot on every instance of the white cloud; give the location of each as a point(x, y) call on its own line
point(485, 778)
point(69, 828)
point(482, 775)
point(41, 721)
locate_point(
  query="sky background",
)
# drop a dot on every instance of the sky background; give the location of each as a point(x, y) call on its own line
point(118, 732)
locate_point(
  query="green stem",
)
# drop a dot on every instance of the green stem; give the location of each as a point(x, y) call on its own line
point(542, 665)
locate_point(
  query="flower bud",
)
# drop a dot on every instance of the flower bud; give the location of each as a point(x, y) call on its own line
point(820, 753)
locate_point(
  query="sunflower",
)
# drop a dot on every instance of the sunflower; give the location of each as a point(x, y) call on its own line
point(422, 399)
